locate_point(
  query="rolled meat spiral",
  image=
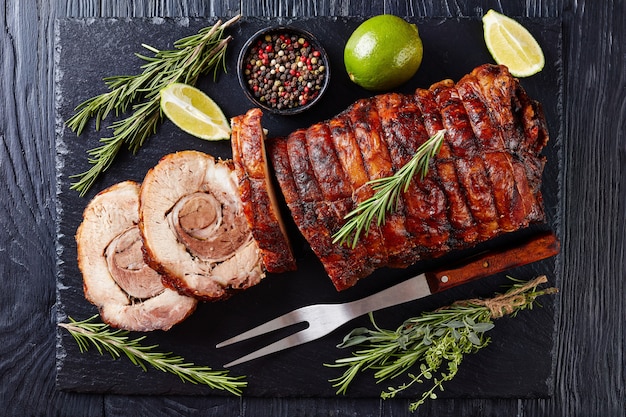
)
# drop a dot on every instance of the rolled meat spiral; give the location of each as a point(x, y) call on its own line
point(193, 227)
point(128, 293)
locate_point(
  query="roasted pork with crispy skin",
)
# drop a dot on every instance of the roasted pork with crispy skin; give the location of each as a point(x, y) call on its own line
point(485, 180)
point(260, 202)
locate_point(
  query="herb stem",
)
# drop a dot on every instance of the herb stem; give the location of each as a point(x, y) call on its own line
point(117, 343)
point(192, 57)
point(387, 193)
point(436, 340)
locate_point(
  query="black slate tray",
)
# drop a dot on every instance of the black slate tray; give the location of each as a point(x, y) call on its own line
point(519, 361)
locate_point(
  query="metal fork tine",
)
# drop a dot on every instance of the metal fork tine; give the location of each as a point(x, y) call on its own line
point(324, 318)
point(295, 339)
point(288, 319)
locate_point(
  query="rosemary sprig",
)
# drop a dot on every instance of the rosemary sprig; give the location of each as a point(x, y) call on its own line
point(192, 57)
point(387, 192)
point(437, 341)
point(117, 343)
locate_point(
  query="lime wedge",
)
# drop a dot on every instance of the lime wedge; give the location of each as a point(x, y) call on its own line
point(194, 112)
point(511, 44)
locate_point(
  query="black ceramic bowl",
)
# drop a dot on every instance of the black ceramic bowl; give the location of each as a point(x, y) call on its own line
point(284, 70)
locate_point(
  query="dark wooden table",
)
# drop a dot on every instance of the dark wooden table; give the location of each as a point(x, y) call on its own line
point(589, 378)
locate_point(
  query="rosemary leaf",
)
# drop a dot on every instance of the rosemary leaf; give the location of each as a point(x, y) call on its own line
point(117, 344)
point(437, 341)
point(387, 193)
point(192, 57)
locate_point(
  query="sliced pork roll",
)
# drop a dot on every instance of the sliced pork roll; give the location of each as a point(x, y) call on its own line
point(193, 227)
point(257, 193)
point(485, 180)
point(128, 293)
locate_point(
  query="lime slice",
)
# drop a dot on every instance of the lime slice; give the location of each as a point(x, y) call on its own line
point(511, 44)
point(194, 112)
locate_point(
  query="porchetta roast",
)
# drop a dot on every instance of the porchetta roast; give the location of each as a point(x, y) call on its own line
point(210, 227)
point(485, 180)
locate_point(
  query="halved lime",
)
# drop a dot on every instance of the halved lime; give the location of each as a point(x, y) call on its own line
point(383, 52)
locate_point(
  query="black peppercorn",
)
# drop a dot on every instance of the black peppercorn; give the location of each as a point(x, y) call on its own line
point(284, 70)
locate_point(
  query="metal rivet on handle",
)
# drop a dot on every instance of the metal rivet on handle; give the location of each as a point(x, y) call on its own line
point(444, 279)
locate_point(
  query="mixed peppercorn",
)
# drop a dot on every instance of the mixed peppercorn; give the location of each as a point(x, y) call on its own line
point(284, 71)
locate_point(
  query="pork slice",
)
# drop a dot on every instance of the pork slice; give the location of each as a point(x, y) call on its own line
point(193, 227)
point(259, 198)
point(128, 293)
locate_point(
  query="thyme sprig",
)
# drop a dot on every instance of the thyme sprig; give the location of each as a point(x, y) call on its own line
point(192, 57)
point(117, 343)
point(387, 193)
point(437, 341)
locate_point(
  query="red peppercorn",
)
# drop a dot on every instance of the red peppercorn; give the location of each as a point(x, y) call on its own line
point(288, 87)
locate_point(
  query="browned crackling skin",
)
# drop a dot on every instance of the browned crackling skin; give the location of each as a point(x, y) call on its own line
point(256, 188)
point(473, 179)
point(351, 159)
point(485, 180)
point(321, 216)
point(403, 134)
point(305, 214)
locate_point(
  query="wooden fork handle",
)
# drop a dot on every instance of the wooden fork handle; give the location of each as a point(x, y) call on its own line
point(541, 246)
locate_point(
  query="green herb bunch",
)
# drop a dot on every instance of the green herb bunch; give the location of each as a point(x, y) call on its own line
point(192, 57)
point(117, 343)
point(436, 342)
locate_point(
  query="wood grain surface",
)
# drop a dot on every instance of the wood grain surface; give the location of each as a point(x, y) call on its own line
point(589, 375)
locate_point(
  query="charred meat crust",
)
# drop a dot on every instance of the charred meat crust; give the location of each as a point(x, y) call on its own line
point(485, 181)
point(260, 203)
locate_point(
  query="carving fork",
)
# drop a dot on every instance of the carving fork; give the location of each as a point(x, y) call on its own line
point(324, 318)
